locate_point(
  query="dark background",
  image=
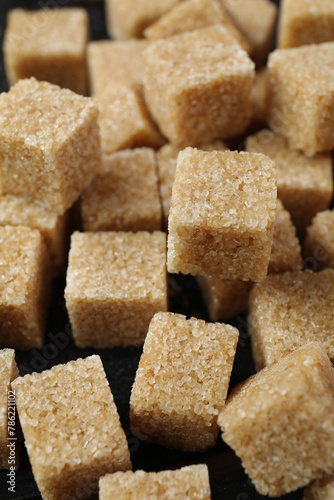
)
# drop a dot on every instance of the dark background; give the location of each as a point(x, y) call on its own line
point(228, 481)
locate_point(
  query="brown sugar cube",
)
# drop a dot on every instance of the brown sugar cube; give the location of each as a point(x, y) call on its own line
point(55, 229)
point(192, 15)
point(198, 86)
point(300, 96)
point(319, 241)
point(71, 428)
point(25, 287)
point(49, 44)
point(226, 299)
point(124, 121)
point(305, 185)
point(182, 381)
point(129, 18)
point(190, 482)
point(256, 20)
point(9, 443)
point(167, 161)
point(287, 310)
point(115, 63)
point(116, 282)
point(124, 196)
point(320, 489)
point(280, 422)
point(49, 143)
point(303, 22)
point(286, 250)
point(222, 215)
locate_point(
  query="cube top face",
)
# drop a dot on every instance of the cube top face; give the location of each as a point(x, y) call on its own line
point(190, 482)
point(304, 22)
point(106, 63)
point(69, 397)
point(225, 191)
point(177, 358)
point(19, 251)
point(115, 265)
point(207, 55)
point(294, 169)
point(40, 116)
point(287, 310)
point(48, 32)
point(309, 69)
point(124, 195)
point(281, 413)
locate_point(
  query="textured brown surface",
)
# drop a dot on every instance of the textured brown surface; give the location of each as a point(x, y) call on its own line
point(260, 100)
point(305, 185)
point(182, 382)
point(124, 120)
point(116, 282)
point(190, 482)
point(192, 15)
point(128, 18)
point(198, 86)
point(303, 22)
point(49, 143)
point(320, 489)
point(300, 93)
point(49, 44)
point(256, 20)
point(8, 373)
point(222, 216)
point(124, 196)
point(55, 229)
point(319, 241)
point(71, 428)
point(25, 287)
point(280, 422)
point(226, 299)
point(167, 161)
point(115, 63)
point(288, 310)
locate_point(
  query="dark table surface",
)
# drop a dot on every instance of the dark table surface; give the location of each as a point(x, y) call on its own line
point(228, 481)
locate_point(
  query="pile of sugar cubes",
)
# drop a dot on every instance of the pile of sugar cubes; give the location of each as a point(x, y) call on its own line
point(201, 153)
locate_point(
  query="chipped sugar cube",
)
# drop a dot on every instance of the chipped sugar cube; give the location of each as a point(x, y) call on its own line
point(129, 18)
point(287, 310)
point(25, 284)
point(256, 20)
point(116, 282)
point(320, 489)
point(9, 435)
point(226, 299)
point(301, 96)
point(49, 143)
point(124, 196)
point(191, 482)
point(55, 229)
point(71, 428)
point(280, 422)
point(182, 382)
point(303, 22)
point(198, 85)
point(305, 185)
point(167, 161)
point(49, 44)
point(115, 63)
point(222, 216)
point(191, 15)
point(124, 120)
point(319, 241)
